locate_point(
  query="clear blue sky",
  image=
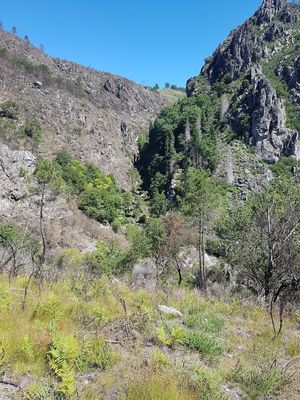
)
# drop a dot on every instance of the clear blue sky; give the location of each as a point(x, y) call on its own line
point(147, 41)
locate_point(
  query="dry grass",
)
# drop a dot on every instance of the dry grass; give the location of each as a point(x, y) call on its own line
point(105, 335)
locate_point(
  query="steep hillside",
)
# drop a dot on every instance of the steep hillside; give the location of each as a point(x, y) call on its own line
point(257, 71)
point(96, 116)
point(248, 90)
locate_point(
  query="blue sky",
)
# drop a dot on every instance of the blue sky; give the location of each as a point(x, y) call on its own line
point(147, 41)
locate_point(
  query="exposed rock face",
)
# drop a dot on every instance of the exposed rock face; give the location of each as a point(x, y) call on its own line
point(246, 45)
point(65, 225)
point(242, 168)
point(266, 127)
point(80, 109)
point(269, 9)
point(259, 63)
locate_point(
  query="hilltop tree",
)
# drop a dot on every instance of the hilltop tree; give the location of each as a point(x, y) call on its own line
point(42, 48)
point(14, 30)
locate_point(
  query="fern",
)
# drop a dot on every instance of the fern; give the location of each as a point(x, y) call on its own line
point(63, 356)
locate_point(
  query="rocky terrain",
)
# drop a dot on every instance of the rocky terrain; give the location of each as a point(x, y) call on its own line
point(96, 116)
point(257, 67)
point(179, 279)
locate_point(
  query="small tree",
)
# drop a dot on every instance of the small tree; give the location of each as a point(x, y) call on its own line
point(42, 48)
point(202, 197)
point(14, 30)
point(47, 174)
point(262, 238)
point(26, 38)
point(177, 236)
point(1, 25)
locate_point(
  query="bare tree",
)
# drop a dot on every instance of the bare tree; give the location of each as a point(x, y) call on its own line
point(177, 236)
point(262, 238)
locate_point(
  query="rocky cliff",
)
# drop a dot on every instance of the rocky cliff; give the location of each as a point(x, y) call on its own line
point(257, 69)
point(47, 105)
point(94, 115)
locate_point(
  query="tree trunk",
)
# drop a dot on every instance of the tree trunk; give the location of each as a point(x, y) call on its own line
point(43, 255)
point(200, 278)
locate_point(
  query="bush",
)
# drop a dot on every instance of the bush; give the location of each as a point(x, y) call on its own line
point(107, 258)
point(102, 204)
point(36, 391)
point(98, 194)
point(10, 109)
point(259, 381)
point(208, 345)
point(97, 354)
point(33, 130)
point(170, 335)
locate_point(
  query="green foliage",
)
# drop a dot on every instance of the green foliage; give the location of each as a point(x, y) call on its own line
point(3, 51)
point(107, 258)
point(208, 345)
point(284, 166)
point(201, 194)
point(209, 384)
point(8, 235)
point(101, 204)
point(97, 354)
point(170, 335)
point(36, 391)
point(48, 173)
point(10, 108)
point(209, 322)
point(259, 381)
point(98, 194)
point(159, 360)
point(168, 149)
point(33, 130)
point(63, 357)
point(144, 241)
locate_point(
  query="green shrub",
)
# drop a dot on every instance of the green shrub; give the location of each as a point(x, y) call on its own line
point(159, 360)
point(36, 391)
point(259, 381)
point(3, 51)
point(169, 335)
point(206, 321)
point(102, 204)
point(33, 130)
point(98, 194)
point(209, 383)
point(107, 258)
point(97, 354)
point(10, 108)
point(208, 345)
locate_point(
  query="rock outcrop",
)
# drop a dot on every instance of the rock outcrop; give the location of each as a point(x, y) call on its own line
point(96, 116)
point(65, 226)
point(258, 67)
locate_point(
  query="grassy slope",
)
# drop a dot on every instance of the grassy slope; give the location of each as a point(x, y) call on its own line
point(77, 338)
point(172, 96)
